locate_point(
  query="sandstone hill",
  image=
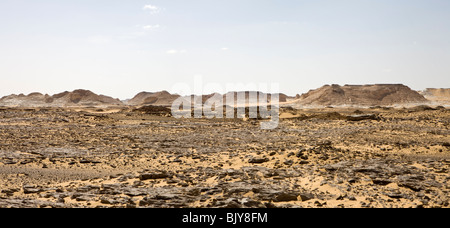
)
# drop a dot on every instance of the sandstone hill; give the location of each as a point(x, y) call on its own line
point(361, 95)
point(162, 98)
point(241, 94)
point(437, 96)
point(64, 99)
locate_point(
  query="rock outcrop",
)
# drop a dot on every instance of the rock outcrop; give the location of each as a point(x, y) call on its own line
point(64, 99)
point(361, 95)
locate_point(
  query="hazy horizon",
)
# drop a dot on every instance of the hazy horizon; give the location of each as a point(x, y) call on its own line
point(120, 48)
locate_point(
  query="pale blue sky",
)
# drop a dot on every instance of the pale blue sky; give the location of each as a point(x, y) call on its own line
point(122, 47)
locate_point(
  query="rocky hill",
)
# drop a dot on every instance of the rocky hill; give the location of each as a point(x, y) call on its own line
point(162, 98)
point(437, 96)
point(361, 95)
point(64, 99)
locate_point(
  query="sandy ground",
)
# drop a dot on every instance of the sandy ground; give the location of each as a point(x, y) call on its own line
point(315, 158)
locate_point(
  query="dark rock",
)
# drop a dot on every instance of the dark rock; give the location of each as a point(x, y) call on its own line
point(286, 196)
point(252, 203)
point(28, 189)
point(232, 203)
point(306, 196)
point(132, 192)
point(165, 196)
point(362, 117)
point(381, 181)
point(88, 188)
point(395, 195)
point(9, 191)
point(367, 169)
point(108, 201)
point(270, 205)
point(110, 189)
point(147, 202)
point(86, 161)
point(85, 198)
point(340, 197)
point(411, 185)
point(288, 162)
point(150, 176)
point(257, 160)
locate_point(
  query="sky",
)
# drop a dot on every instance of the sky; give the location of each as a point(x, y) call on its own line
point(122, 47)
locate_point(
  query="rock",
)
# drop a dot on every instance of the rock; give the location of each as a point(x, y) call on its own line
point(87, 161)
point(257, 160)
point(232, 203)
point(152, 176)
point(306, 196)
point(340, 197)
point(107, 201)
point(413, 182)
point(381, 181)
point(369, 169)
point(286, 197)
point(395, 195)
point(88, 188)
point(361, 117)
point(9, 192)
point(288, 162)
point(147, 202)
point(270, 205)
point(29, 189)
point(165, 196)
point(110, 189)
point(86, 198)
point(252, 203)
point(132, 192)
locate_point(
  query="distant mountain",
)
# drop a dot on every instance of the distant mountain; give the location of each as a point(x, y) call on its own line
point(328, 95)
point(162, 98)
point(361, 95)
point(438, 96)
point(64, 99)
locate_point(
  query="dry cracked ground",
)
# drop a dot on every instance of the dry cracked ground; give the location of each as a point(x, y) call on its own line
point(315, 158)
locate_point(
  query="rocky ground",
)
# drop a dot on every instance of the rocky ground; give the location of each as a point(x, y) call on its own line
point(375, 157)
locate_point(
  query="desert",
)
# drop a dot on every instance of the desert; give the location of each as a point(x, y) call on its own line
point(376, 146)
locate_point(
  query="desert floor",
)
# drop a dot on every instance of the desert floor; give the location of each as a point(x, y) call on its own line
point(315, 158)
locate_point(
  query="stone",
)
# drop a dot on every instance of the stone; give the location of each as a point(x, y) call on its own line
point(28, 189)
point(306, 196)
point(258, 160)
point(381, 181)
point(152, 176)
point(362, 117)
point(288, 162)
point(286, 197)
